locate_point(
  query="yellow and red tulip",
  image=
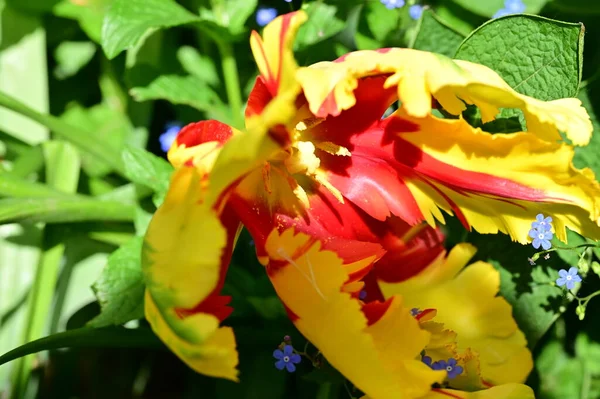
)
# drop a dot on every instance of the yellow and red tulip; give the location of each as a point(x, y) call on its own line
point(336, 197)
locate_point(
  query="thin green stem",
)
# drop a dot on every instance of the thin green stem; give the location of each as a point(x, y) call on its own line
point(588, 245)
point(232, 82)
point(92, 145)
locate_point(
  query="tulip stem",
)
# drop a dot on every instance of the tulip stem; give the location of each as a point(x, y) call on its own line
point(232, 82)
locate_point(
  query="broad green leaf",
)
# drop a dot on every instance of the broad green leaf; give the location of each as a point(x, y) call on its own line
point(321, 25)
point(71, 57)
point(587, 156)
point(230, 14)
point(89, 14)
point(60, 210)
point(144, 168)
point(435, 36)
point(488, 8)
point(120, 288)
point(536, 56)
point(201, 66)
point(376, 24)
point(23, 73)
point(107, 337)
point(536, 302)
point(127, 21)
point(189, 90)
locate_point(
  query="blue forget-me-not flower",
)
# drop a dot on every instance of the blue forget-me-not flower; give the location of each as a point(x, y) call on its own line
point(540, 232)
point(510, 7)
point(541, 238)
point(167, 138)
point(453, 369)
point(415, 11)
point(542, 223)
point(391, 4)
point(264, 15)
point(286, 358)
point(568, 278)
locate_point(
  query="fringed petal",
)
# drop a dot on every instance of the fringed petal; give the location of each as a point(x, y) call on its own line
point(421, 76)
point(310, 283)
point(186, 252)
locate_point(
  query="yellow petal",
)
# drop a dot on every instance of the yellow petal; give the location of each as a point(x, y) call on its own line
point(197, 340)
point(500, 182)
point(467, 304)
point(419, 75)
point(273, 52)
point(379, 359)
point(506, 391)
point(181, 262)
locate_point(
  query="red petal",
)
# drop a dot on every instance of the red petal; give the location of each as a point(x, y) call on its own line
point(259, 98)
point(202, 132)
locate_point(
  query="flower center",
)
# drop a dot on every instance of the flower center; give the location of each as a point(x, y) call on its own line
point(449, 368)
point(286, 359)
point(569, 278)
point(541, 236)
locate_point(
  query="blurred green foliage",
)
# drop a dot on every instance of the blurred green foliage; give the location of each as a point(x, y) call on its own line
point(86, 88)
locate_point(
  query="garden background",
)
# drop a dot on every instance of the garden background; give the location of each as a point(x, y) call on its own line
point(89, 87)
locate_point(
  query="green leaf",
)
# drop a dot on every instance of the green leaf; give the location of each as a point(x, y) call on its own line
point(60, 210)
point(435, 36)
point(89, 14)
point(23, 73)
point(536, 56)
point(536, 302)
point(71, 57)
point(560, 374)
point(103, 124)
point(376, 24)
point(488, 8)
point(147, 169)
point(127, 21)
point(189, 90)
point(108, 337)
point(201, 66)
point(322, 24)
point(587, 156)
point(93, 145)
point(62, 165)
point(120, 288)
point(12, 186)
point(230, 14)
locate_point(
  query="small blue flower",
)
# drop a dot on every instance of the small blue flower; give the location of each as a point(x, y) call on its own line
point(426, 360)
point(265, 15)
point(450, 366)
point(362, 295)
point(415, 11)
point(167, 138)
point(514, 6)
point(415, 311)
point(542, 223)
point(288, 1)
point(286, 358)
point(391, 4)
point(568, 278)
point(541, 237)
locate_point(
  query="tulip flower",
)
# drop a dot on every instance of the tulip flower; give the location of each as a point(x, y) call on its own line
point(333, 195)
